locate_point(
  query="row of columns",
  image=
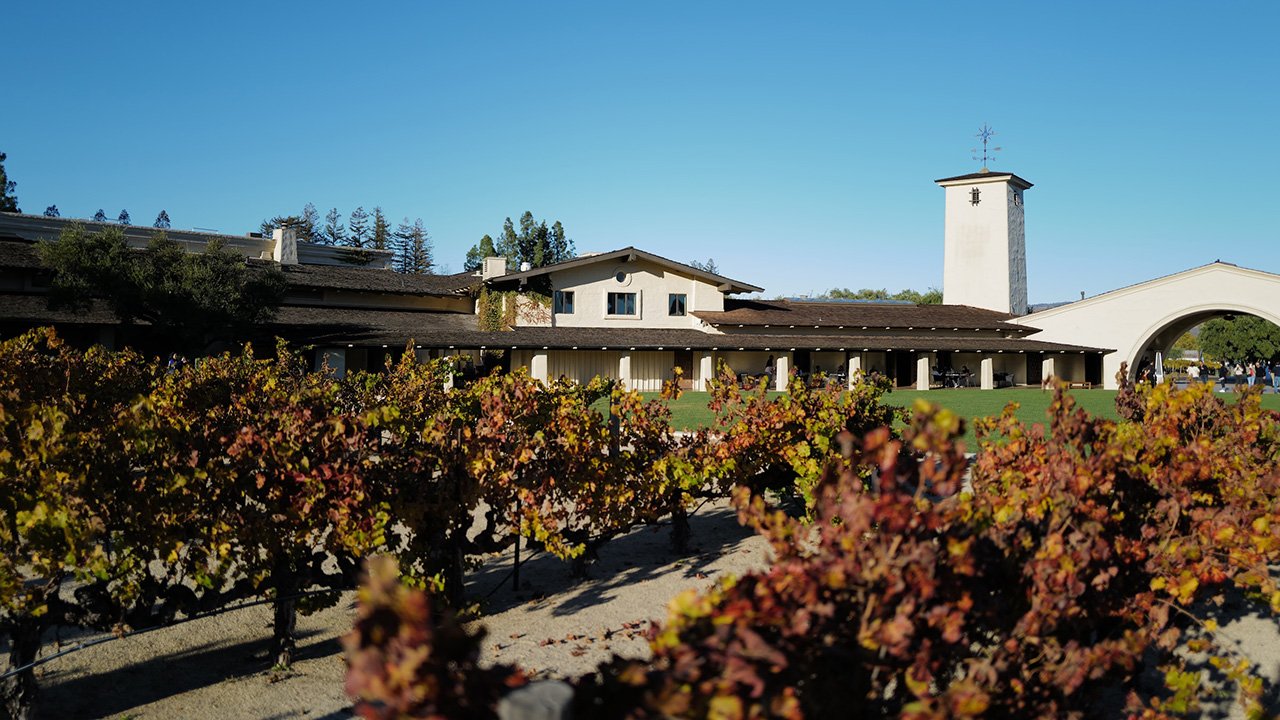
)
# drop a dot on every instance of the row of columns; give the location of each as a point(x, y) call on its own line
point(538, 368)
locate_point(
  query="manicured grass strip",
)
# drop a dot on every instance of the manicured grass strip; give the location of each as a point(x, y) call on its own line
point(690, 412)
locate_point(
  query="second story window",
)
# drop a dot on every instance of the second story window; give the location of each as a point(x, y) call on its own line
point(621, 304)
point(563, 304)
point(676, 303)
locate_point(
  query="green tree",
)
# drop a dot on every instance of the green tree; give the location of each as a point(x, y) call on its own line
point(535, 244)
point(1186, 342)
point(358, 228)
point(1240, 338)
point(162, 220)
point(413, 248)
point(708, 266)
point(333, 232)
point(381, 231)
point(123, 218)
point(304, 225)
point(100, 216)
point(189, 300)
point(8, 201)
point(52, 211)
point(932, 297)
point(478, 252)
point(310, 219)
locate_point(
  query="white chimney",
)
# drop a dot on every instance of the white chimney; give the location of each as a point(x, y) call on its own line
point(286, 246)
point(525, 266)
point(493, 267)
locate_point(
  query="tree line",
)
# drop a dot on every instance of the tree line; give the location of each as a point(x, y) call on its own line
point(409, 240)
point(932, 296)
point(535, 244)
point(1235, 338)
point(9, 203)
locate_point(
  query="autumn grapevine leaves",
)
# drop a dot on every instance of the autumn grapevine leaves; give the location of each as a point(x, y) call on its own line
point(1084, 553)
point(134, 493)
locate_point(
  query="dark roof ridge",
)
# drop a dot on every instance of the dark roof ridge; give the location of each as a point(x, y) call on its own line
point(633, 253)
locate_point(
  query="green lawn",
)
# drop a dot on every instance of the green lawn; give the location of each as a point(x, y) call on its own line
point(690, 411)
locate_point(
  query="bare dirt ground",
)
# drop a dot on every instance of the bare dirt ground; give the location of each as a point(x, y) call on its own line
point(219, 667)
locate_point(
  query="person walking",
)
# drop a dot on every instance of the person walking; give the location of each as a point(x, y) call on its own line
point(1251, 373)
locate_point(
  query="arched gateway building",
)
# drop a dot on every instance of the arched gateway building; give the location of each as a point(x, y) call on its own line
point(636, 316)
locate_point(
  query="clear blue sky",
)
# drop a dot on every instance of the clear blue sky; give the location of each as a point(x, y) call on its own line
point(796, 144)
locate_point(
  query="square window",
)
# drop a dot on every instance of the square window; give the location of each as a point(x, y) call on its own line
point(563, 303)
point(621, 304)
point(676, 303)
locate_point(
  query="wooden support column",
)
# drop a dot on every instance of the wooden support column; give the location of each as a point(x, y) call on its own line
point(923, 373)
point(784, 372)
point(1048, 368)
point(624, 370)
point(706, 370)
point(853, 368)
point(538, 366)
point(988, 373)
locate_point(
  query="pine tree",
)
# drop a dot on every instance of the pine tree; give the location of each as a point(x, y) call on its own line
point(334, 232)
point(100, 216)
point(52, 211)
point(708, 266)
point(420, 249)
point(358, 228)
point(401, 246)
point(413, 248)
point(307, 228)
point(559, 247)
point(162, 220)
point(269, 225)
point(123, 218)
point(478, 252)
point(508, 244)
point(535, 244)
point(8, 201)
point(382, 239)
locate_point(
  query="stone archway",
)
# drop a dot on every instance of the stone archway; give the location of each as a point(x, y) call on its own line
point(1162, 334)
point(1133, 319)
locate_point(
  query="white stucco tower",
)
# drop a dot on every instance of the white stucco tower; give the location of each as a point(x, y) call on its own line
point(985, 255)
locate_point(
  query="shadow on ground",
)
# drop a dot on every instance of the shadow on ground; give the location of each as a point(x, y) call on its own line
point(637, 557)
point(70, 694)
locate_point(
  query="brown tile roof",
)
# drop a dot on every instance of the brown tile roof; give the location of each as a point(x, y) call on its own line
point(365, 279)
point(630, 253)
point(18, 254)
point(858, 315)
point(31, 308)
point(22, 255)
point(652, 339)
point(362, 326)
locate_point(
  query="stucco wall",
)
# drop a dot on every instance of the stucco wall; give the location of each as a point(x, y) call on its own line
point(651, 282)
point(984, 247)
point(1129, 318)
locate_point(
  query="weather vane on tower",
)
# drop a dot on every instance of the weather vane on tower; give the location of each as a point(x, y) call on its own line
point(986, 134)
